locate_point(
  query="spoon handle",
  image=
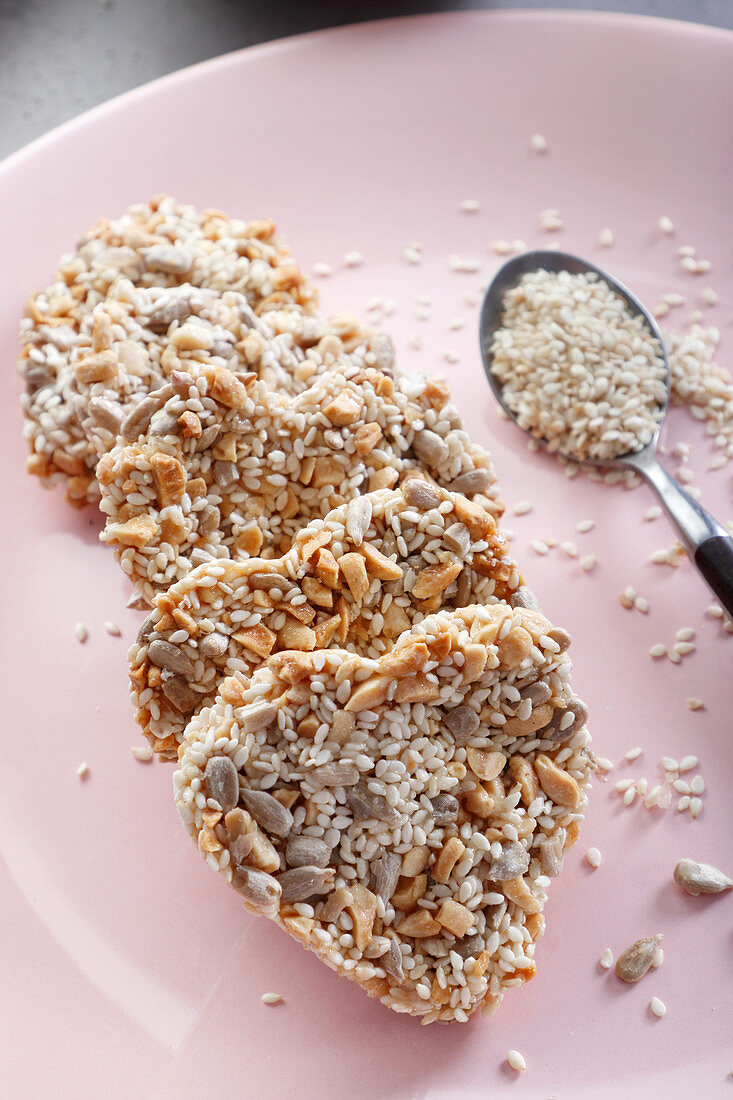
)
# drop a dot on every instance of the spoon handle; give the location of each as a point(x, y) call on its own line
point(707, 543)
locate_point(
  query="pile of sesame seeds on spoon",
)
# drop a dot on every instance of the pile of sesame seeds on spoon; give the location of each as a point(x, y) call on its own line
point(576, 360)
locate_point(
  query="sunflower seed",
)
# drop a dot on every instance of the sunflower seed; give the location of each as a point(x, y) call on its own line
point(221, 780)
point(430, 447)
point(261, 890)
point(168, 656)
point(338, 774)
point(525, 597)
point(551, 856)
point(701, 878)
point(421, 495)
point(469, 946)
point(473, 481)
point(391, 962)
point(457, 537)
point(304, 850)
point(462, 722)
point(513, 862)
point(385, 872)
point(358, 518)
point(179, 693)
point(445, 809)
point(636, 960)
point(213, 645)
point(268, 812)
point(303, 882)
point(365, 804)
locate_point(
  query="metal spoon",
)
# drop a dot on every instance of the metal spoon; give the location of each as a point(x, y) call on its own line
point(706, 542)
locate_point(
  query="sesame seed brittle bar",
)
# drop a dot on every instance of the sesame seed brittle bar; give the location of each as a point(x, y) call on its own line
point(356, 579)
point(401, 816)
point(96, 341)
point(234, 469)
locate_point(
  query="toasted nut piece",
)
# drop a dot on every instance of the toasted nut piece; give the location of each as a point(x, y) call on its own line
point(516, 890)
point(415, 861)
point(311, 547)
point(557, 784)
point(700, 878)
point(386, 478)
point(99, 367)
point(369, 694)
point(225, 388)
point(478, 521)
point(485, 763)
point(170, 478)
point(354, 570)
point(337, 902)
point(327, 569)
point(295, 635)
point(317, 593)
point(479, 802)
point(523, 773)
point(455, 917)
point(514, 647)
point(408, 892)
point(362, 909)
point(418, 925)
point(416, 689)
point(190, 425)
point(435, 579)
point(439, 995)
point(395, 620)
point(366, 438)
point(636, 960)
point(449, 855)
point(551, 856)
point(232, 691)
point(475, 658)
point(513, 862)
point(343, 410)
point(405, 660)
point(138, 531)
point(462, 723)
point(258, 639)
point(342, 726)
point(538, 719)
point(299, 927)
point(380, 566)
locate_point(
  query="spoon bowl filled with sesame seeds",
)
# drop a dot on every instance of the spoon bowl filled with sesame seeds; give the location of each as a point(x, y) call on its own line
point(576, 360)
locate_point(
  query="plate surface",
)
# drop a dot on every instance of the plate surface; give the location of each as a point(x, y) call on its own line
point(127, 968)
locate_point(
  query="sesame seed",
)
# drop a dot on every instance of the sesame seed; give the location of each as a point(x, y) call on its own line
point(658, 958)
point(689, 263)
point(113, 629)
point(629, 796)
point(522, 508)
point(81, 632)
point(654, 513)
point(683, 804)
point(687, 763)
point(415, 341)
point(322, 270)
point(83, 770)
point(660, 310)
point(516, 1061)
point(450, 357)
point(633, 754)
point(501, 248)
point(626, 600)
point(411, 255)
point(593, 858)
point(462, 264)
point(718, 462)
point(624, 785)
point(641, 787)
point(669, 764)
point(143, 753)
point(681, 786)
point(538, 143)
point(471, 299)
point(604, 763)
point(605, 238)
point(686, 251)
point(642, 604)
point(519, 246)
point(709, 296)
point(685, 476)
point(550, 221)
point(658, 650)
point(674, 656)
point(470, 206)
point(456, 322)
point(665, 224)
point(585, 525)
point(657, 1007)
point(587, 562)
point(540, 547)
point(697, 786)
point(683, 648)
point(570, 549)
point(685, 634)
point(695, 807)
point(606, 959)
point(702, 267)
point(272, 998)
point(353, 259)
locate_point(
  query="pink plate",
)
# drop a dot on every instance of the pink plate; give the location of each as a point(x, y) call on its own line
point(127, 969)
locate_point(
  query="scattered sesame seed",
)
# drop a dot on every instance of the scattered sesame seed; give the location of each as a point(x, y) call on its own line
point(709, 297)
point(604, 763)
point(593, 858)
point(322, 270)
point(353, 259)
point(658, 958)
point(462, 264)
point(538, 143)
point(626, 600)
point(657, 1007)
point(143, 753)
point(411, 255)
point(681, 786)
point(519, 246)
point(550, 540)
point(685, 634)
point(629, 796)
point(272, 998)
point(113, 629)
point(695, 807)
point(674, 656)
point(687, 763)
point(718, 462)
point(669, 764)
point(585, 525)
point(81, 632)
point(501, 248)
point(689, 263)
point(587, 562)
point(516, 1061)
point(570, 549)
point(702, 267)
point(83, 770)
point(633, 754)
point(540, 547)
point(415, 341)
point(641, 787)
point(673, 299)
point(522, 507)
point(471, 299)
point(642, 604)
point(665, 224)
point(550, 220)
point(658, 650)
point(654, 513)
point(683, 804)
point(451, 357)
point(422, 313)
point(683, 648)
point(686, 251)
point(660, 310)
point(624, 785)
point(685, 476)
point(606, 959)
point(470, 206)
point(697, 786)
point(456, 322)
point(605, 238)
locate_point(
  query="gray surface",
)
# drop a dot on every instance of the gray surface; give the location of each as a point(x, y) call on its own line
point(59, 57)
